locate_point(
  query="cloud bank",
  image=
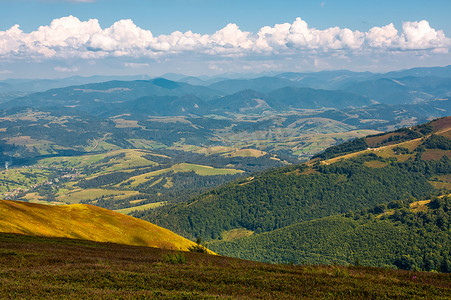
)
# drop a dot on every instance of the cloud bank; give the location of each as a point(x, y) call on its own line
point(68, 37)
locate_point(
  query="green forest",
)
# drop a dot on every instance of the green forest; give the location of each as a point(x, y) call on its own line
point(389, 235)
point(289, 195)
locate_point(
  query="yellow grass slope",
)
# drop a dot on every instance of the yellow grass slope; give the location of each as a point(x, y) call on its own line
point(85, 222)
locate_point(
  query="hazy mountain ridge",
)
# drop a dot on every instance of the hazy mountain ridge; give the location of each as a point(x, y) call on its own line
point(285, 91)
point(113, 96)
point(83, 96)
point(403, 90)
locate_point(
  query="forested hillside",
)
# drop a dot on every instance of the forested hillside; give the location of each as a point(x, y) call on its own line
point(289, 195)
point(411, 236)
point(348, 205)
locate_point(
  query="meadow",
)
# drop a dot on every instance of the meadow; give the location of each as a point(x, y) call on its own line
point(51, 268)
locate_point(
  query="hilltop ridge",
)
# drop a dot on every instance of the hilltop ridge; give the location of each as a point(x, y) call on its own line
point(410, 137)
point(87, 222)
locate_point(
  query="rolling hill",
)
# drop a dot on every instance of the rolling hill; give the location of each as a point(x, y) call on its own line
point(246, 101)
point(287, 98)
point(404, 165)
point(94, 94)
point(422, 134)
point(85, 222)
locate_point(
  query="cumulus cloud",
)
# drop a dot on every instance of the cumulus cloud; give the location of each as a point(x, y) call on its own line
point(300, 36)
point(231, 37)
point(70, 37)
point(420, 35)
point(415, 36)
point(382, 37)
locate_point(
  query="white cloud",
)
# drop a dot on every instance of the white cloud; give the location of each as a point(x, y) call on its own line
point(65, 69)
point(415, 36)
point(215, 67)
point(68, 37)
point(272, 38)
point(300, 36)
point(382, 37)
point(128, 35)
point(136, 65)
point(231, 37)
point(178, 41)
point(420, 35)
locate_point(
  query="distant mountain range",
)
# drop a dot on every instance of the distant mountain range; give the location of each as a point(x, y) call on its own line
point(195, 96)
point(277, 114)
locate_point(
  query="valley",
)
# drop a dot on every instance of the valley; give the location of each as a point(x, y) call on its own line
point(264, 169)
point(119, 144)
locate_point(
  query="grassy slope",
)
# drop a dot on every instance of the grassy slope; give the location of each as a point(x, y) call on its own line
point(129, 210)
point(133, 158)
point(416, 135)
point(78, 195)
point(85, 222)
point(32, 268)
point(183, 167)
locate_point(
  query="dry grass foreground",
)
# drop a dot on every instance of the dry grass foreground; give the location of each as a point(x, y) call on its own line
point(51, 268)
point(85, 222)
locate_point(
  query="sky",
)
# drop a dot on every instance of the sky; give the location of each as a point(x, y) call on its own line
point(63, 38)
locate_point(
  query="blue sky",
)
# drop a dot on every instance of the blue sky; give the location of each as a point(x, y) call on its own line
point(214, 36)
